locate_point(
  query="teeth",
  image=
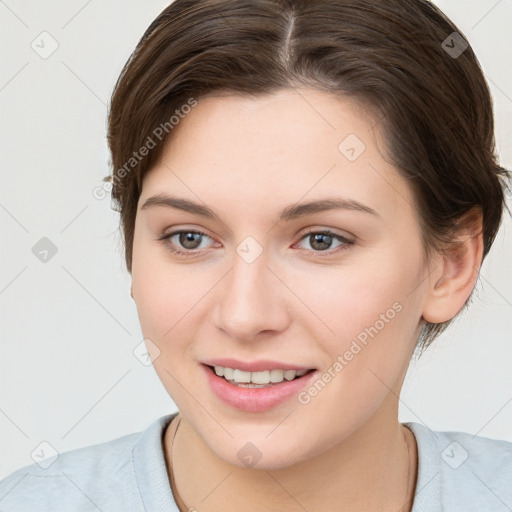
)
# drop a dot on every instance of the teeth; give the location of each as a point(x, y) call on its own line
point(241, 376)
point(229, 373)
point(276, 376)
point(290, 374)
point(261, 378)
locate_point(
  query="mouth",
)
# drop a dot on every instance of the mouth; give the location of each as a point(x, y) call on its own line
point(259, 379)
point(260, 390)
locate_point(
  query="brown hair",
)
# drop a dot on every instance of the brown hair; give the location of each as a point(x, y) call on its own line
point(400, 58)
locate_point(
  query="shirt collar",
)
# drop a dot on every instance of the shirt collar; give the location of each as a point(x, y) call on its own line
point(151, 470)
point(155, 489)
point(427, 496)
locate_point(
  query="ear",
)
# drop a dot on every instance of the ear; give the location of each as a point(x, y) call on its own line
point(455, 276)
point(131, 291)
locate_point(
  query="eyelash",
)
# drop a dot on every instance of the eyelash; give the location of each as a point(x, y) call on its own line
point(190, 253)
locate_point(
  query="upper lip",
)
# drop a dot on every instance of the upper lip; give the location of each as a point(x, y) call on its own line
point(254, 366)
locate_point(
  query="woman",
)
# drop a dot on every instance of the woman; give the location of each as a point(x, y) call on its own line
point(307, 191)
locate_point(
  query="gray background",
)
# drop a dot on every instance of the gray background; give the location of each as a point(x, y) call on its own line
point(68, 325)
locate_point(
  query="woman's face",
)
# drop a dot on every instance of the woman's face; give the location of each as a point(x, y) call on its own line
point(256, 290)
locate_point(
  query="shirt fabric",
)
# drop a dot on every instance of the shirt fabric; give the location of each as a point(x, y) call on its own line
point(457, 472)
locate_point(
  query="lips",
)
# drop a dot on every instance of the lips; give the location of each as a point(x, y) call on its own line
point(253, 397)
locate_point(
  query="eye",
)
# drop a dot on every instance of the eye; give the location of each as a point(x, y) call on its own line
point(187, 239)
point(321, 241)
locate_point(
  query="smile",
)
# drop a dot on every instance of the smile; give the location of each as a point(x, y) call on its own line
point(256, 391)
point(257, 379)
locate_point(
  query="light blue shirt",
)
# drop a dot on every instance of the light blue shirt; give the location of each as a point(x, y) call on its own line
point(457, 472)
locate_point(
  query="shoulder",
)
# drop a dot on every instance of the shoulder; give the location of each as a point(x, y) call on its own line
point(463, 471)
point(100, 476)
point(77, 478)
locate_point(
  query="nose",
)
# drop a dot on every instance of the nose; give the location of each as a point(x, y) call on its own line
point(252, 301)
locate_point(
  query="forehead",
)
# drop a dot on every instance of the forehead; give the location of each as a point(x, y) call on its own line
point(286, 146)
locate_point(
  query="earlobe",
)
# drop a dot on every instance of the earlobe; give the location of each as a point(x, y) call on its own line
point(452, 284)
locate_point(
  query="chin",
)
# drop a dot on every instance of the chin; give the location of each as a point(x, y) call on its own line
point(259, 452)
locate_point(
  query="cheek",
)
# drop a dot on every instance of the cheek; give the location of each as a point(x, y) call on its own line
point(369, 322)
point(165, 292)
point(168, 297)
point(361, 300)
point(374, 312)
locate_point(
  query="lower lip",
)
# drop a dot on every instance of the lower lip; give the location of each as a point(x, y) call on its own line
point(255, 399)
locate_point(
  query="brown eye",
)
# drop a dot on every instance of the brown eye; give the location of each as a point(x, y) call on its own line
point(184, 242)
point(321, 241)
point(189, 239)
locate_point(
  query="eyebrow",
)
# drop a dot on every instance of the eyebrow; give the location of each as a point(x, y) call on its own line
point(289, 213)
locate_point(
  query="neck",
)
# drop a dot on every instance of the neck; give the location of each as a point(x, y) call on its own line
point(373, 469)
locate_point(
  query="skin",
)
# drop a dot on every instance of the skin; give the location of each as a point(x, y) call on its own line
point(248, 159)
